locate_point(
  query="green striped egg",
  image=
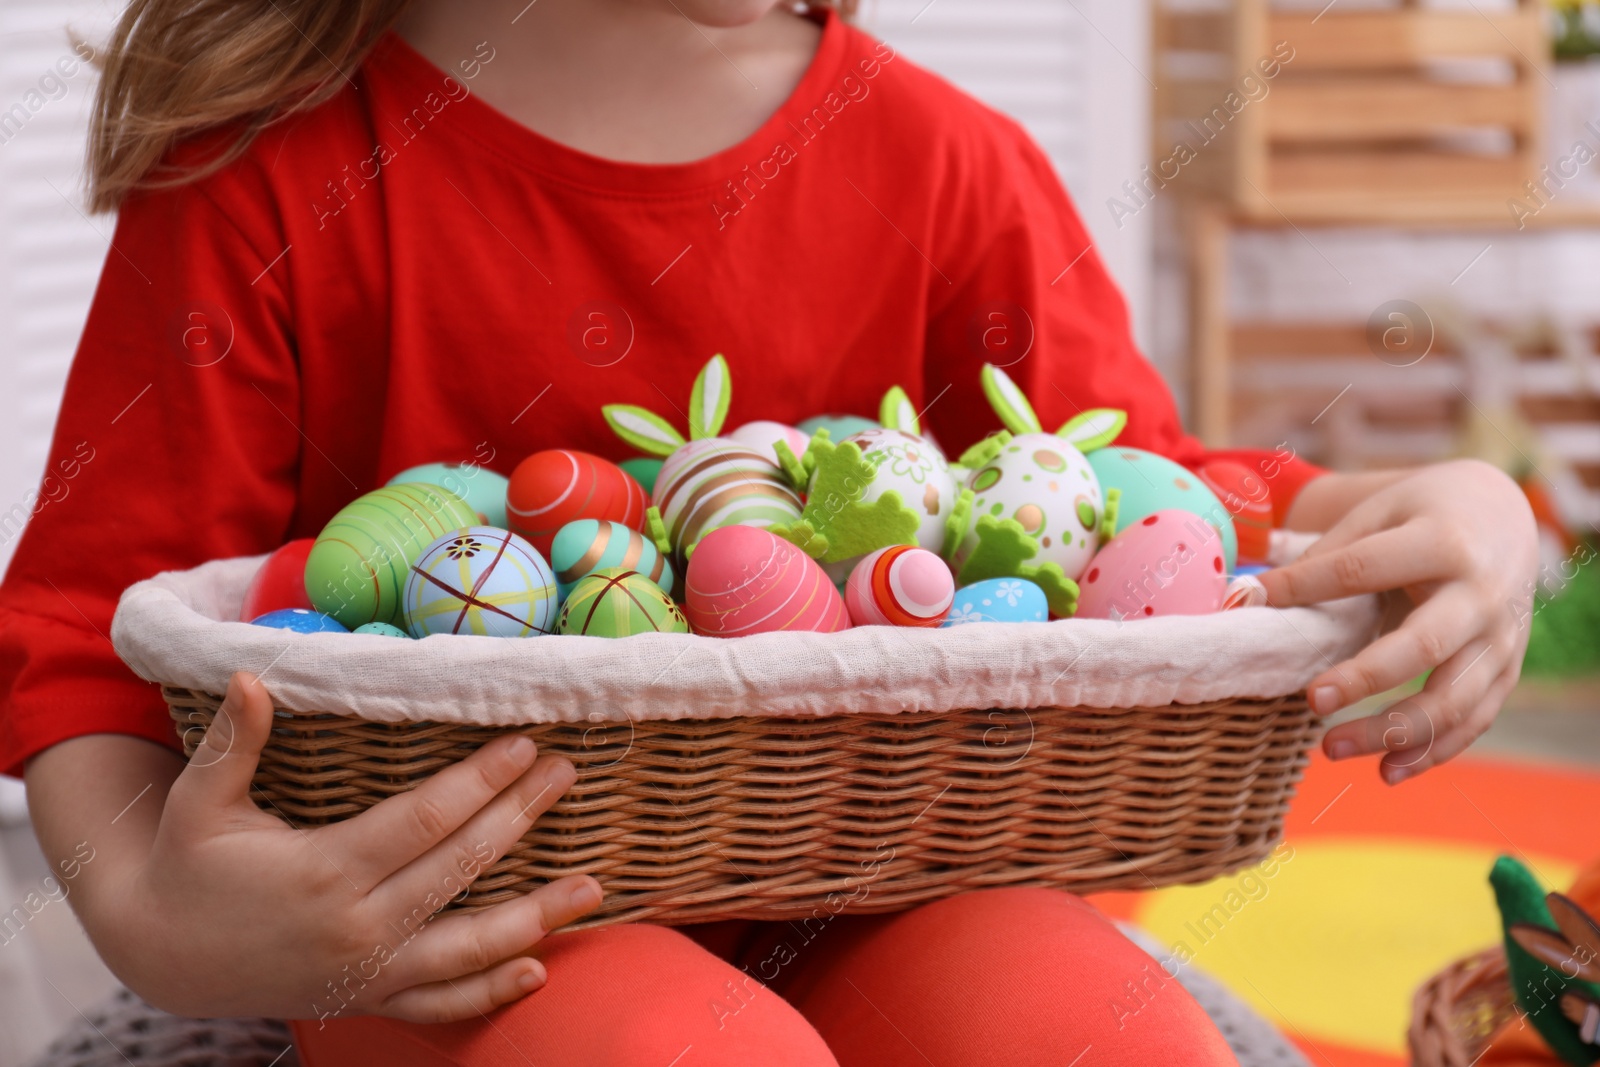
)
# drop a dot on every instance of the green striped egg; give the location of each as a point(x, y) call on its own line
point(588, 545)
point(358, 567)
point(617, 602)
point(716, 482)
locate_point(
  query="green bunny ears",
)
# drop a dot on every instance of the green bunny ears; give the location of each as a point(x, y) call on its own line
point(1087, 431)
point(896, 413)
point(655, 436)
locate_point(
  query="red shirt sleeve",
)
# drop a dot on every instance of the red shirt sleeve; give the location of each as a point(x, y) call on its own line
point(176, 443)
point(1031, 295)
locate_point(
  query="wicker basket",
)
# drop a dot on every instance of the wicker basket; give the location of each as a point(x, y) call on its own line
point(1456, 1012)
point(694, 820)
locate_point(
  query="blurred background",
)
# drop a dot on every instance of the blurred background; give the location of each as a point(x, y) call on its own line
point(1365, 231)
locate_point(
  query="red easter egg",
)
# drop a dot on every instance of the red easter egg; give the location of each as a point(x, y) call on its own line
point(743, 580)
point(901, 585)
point(1246, 496)
point(280, 583)
point(1168, 563)
point(550, 489)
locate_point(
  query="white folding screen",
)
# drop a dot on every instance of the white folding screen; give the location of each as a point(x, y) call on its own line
point(1072, 71)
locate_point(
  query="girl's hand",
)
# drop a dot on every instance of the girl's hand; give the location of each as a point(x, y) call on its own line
point(236, 913)
point(1459, 539)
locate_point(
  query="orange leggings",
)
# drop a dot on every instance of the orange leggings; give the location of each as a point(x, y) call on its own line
point(1002, 976)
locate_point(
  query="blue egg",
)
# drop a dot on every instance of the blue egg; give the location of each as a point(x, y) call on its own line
point(482, 489)
point(382, 629)
point(301, 621)
point(1250, 568)
point(838, 426)
point(999, 600)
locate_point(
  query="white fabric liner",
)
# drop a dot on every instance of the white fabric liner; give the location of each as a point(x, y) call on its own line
point(167, 630)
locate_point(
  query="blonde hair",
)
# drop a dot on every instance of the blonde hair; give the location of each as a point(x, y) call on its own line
point(178, 67)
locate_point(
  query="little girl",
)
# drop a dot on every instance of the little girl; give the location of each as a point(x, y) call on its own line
point(359, 235)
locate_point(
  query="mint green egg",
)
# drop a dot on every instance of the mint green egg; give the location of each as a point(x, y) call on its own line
point(1152, 483)
point(645, 471)
point(588, 545)
point(358, 566)
point(382, 629)
point(478, 486)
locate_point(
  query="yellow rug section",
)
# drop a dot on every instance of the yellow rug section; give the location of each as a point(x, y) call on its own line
point(1330, 938)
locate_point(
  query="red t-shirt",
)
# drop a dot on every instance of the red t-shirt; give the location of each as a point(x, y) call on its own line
point(406, 275)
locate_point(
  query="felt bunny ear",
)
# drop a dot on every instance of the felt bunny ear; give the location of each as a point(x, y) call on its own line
point(644, 430)
point(896, 413)
point(708, 404)
point(1580, 930)
point(1551, 949)
point(1094, 429)
point(1008, 402)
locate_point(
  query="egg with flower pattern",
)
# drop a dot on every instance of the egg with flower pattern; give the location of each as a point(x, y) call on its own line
point(912, 466)
point(481, 580)
point(998, 600)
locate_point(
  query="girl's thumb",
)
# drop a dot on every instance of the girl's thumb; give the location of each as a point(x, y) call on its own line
point(220, 771)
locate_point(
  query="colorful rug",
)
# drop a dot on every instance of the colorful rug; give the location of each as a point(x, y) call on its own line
point(1375, 889)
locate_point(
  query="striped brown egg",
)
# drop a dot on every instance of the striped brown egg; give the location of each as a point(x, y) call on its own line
point(716, 482)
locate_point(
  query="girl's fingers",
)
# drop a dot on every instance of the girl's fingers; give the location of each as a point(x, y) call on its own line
point(1431, 634)
point(396, 831)
point(1397, 768)
point(219, 773)
point(1389, 559)
point(450, 866)
point(469, 997)
point(463, 944)
point(1410, 729)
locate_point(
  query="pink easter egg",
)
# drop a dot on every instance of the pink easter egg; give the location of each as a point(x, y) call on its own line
point(901, 585)
point(743, 580)
point(1168, 563)
point(762, 434)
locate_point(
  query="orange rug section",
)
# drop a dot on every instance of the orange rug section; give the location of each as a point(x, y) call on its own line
point(1374, 889)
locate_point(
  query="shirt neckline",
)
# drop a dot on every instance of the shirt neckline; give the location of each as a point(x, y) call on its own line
point(499, 132)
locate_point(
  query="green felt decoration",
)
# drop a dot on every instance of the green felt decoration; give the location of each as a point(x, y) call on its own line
point(1537, 985)
point(896, 413)
point(658, 531)
point(835, 512)
point(708, 403)
point(1093, 429)
point(793, 466)
point(1108, 520)
point(1003, 551)
point(957, 525)
point(985, 451)
point(803, 536)
point(1016, 414)
point(644, 430)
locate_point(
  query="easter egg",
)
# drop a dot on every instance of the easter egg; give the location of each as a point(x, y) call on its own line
point(838, 426)
point(550, 489)
point(711, 483)
point(480, 580)
point(589, 545)
point(761, 435)
point(1245, 496)
point(357, 570)
point(480, 487)
point(301, 621)
point(280, 583)
point(1168, 563)
point(618, 602)
point(1150, 483)
point(1047, 486)
point(644, 470)
point(999, 600)
point(900, 586)
point(913, 467)
point(381, 629)
point(743, 580)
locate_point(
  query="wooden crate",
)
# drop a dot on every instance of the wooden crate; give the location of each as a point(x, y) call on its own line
point(1391, 114)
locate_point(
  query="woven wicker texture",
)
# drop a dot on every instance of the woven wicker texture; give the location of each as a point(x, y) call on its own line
point(123, 1030)
point(1457, 1011)
point(764, 818)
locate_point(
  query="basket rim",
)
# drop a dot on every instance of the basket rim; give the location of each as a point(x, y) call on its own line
point(168, 629)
